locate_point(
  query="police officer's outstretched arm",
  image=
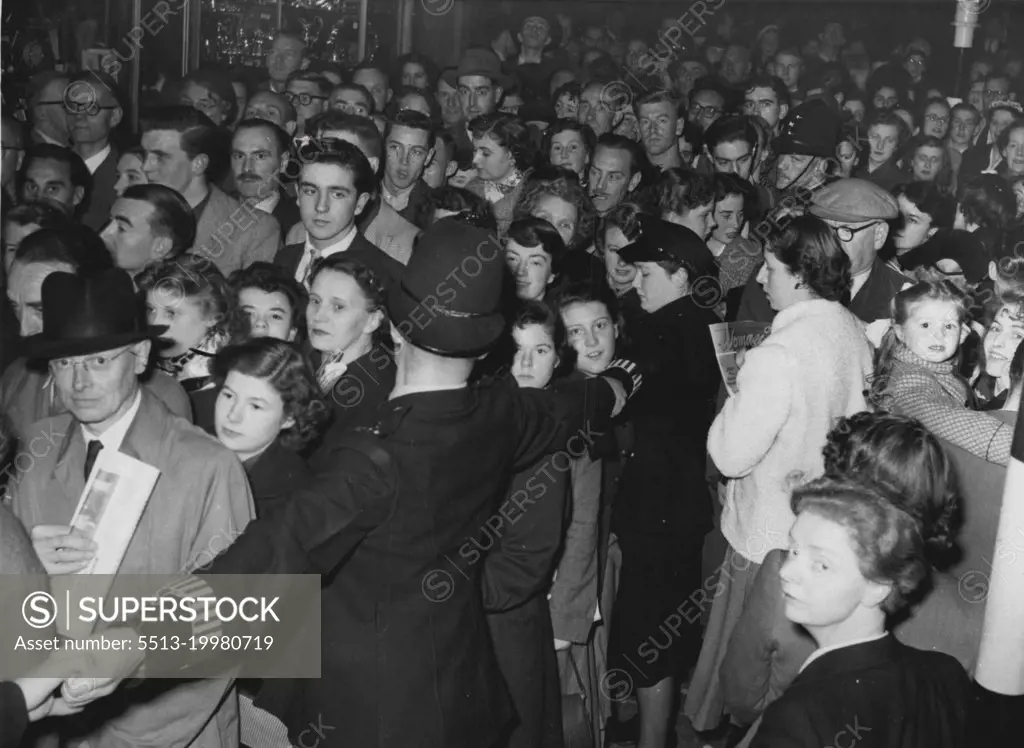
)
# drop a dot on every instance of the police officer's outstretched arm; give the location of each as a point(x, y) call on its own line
point(547, 419)
point(314, 530)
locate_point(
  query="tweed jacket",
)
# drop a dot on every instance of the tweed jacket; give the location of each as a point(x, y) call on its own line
point(936, 396)
point(200, 504)
point(234, 235)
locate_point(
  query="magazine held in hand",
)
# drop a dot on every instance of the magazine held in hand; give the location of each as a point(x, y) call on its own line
point(731, 341)
point(112, 503)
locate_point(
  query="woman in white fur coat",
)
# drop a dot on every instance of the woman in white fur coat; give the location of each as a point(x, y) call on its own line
point(791, 389)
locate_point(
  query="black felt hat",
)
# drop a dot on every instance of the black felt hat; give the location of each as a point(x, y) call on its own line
point(89, 314)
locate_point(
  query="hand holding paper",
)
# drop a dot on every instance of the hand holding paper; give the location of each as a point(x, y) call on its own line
point(62, 550)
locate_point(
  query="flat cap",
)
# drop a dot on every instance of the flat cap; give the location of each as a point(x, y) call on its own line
point(854, 201)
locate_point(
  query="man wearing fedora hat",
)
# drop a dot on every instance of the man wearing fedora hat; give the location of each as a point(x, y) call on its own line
point(97, 343)
point(396, 516)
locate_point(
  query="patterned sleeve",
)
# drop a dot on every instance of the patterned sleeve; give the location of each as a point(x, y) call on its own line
point(920, 396)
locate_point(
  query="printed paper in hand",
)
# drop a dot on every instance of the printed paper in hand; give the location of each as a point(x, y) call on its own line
point(731, 341)
point(109, 510)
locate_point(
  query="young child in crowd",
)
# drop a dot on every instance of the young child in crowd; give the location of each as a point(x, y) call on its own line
point(916, 370)
point(273, 302)
point(191, 297)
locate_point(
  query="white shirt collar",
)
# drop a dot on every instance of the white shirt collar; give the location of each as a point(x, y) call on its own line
point(268, 203)
point(309, 251)
point(397, 200)
point(93, 162)
point(825, 650)
point(114, 436)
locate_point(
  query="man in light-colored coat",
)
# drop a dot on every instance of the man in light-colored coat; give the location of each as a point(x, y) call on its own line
point(200, 504)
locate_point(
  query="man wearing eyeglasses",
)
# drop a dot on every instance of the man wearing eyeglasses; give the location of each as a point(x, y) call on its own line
point(859, 211)
point(45, 97)
point(308, 93)
point(93, 110)
point(97, 344)
point(707, 103)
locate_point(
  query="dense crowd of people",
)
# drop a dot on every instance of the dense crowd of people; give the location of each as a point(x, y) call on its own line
point(378, 322)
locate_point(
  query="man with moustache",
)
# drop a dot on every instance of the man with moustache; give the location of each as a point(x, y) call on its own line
point(661, 124)
point(259, 153)
point(617, 170)
point(93, 111)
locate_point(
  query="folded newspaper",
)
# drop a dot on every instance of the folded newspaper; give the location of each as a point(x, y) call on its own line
point(731, 340)
point(109, 510)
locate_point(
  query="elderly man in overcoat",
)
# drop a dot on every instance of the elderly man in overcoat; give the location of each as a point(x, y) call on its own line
point(97, 343)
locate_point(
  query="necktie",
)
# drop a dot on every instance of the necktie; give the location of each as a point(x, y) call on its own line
point(91, 452)
point(314, 255)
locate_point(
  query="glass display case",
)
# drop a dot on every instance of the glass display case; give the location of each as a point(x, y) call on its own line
point(238, 33)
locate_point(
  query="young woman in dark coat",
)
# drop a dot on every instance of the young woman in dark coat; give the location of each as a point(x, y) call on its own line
point(854, 559)
point(268, 408)
point(663, 511)
point(522, 551)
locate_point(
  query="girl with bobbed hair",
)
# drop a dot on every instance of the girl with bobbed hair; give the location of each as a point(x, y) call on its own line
point(504, 155)
point(554, 194)
point(856, 557)
point(269, 407)
point(810, 370)
point(569, 144)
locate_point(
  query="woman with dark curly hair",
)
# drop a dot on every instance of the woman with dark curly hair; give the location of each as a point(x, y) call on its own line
point(504, 155)
point(554, 194)
point(856, 556)
point(811, 370)
point(269, 407)
point(906, 463)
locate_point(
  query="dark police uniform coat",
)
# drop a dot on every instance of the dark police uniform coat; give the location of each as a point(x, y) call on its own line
point(406, 658)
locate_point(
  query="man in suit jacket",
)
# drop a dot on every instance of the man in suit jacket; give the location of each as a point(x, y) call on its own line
point(333, 187)
point(259, 153)
point(379, 222)
point(180, 145)
point(394, 516)
point(93, 111)
point(201, 499)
